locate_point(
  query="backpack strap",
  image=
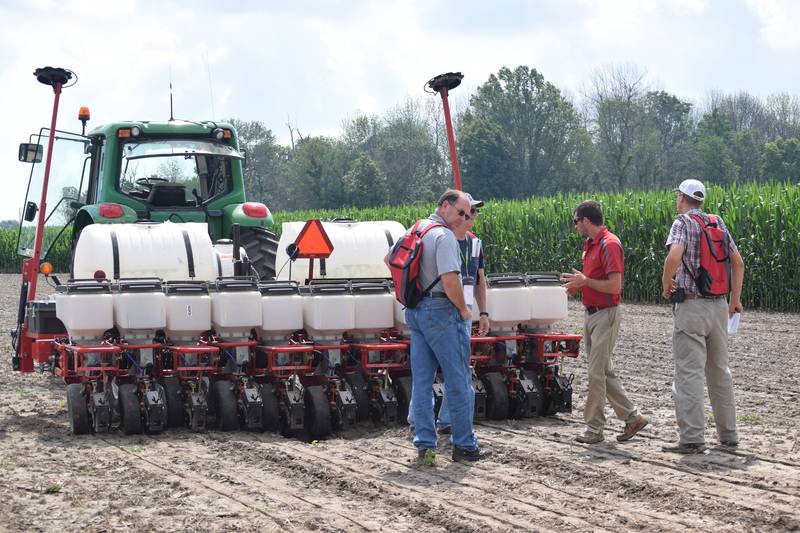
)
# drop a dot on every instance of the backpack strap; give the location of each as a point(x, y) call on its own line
point(692, 275)
point(421, 233)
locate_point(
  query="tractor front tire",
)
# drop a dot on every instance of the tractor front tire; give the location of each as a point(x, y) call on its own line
point(261, 246)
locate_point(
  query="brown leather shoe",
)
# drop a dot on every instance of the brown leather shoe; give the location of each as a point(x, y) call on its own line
point(632, 428)
point(589, 437)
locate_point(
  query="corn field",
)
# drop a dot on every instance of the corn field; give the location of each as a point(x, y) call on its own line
point(538, 234)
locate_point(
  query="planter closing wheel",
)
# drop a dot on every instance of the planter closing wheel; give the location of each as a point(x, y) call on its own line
point(225, 400)
point(77, 409)
point(130, 409)
point(318, 412)
point(496, 396)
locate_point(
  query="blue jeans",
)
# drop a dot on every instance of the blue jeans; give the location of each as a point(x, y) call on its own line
point(438, 338)
point(444, 410)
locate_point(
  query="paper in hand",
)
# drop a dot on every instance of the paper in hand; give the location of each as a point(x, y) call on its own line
point(733, 323)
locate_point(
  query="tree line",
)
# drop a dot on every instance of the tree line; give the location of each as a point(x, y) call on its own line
point(519, 135)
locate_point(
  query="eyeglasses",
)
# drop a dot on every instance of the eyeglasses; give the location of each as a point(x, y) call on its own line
point(464, 214)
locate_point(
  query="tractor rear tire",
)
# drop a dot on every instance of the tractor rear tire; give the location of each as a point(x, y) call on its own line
point(176, 415)
point(360, 394)
point(496, 396)
point(130, 409)
point(261, 246)
point(317, 417)
point(270, 413)
point(78, 409)
point(402, 390)
point(225, 400)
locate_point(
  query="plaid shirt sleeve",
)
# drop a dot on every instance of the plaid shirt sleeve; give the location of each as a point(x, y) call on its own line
point(678, 233)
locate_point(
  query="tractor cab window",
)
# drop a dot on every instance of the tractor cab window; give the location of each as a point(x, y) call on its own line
point(176, 173)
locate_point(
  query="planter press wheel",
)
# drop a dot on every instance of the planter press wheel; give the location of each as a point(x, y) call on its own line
point(402, 389)
point(77, 409)
point(359, 389)
point(176, 415)
point(225, 400)
point(130, 409)
point(496, 396)
point(261, 246)
point(270, 415)
point(317, 417)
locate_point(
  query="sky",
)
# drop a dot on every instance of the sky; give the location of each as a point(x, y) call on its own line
point(314, 63)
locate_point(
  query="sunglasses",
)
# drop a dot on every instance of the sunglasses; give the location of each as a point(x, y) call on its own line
point(464, 214)
point(576, 220)
point(474, 212)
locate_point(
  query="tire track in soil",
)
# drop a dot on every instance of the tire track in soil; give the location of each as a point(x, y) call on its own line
point(683, 480)
point(194, 482)
point(262, 455)
point(196, 477)
point(753, 456)
point(786, 472)
point(506, 479)
point(450, 514)
point(537, 489)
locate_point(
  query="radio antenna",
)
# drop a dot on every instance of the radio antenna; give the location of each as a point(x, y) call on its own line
point(210, 88)
point(171, 115)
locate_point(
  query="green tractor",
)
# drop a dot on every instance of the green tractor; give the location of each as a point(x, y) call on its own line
point(178, 171)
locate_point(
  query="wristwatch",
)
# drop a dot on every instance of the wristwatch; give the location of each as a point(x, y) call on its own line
point(484, 313)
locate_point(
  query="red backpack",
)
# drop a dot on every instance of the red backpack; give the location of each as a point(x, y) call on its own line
point(404, 264)
point(714, 275)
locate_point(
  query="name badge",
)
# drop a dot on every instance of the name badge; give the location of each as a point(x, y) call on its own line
point(469, 294)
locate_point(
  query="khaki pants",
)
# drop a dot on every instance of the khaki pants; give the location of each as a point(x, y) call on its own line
point(700, 348)
point(600, 335)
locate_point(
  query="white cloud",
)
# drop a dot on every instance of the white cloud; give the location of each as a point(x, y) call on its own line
point(779, 22)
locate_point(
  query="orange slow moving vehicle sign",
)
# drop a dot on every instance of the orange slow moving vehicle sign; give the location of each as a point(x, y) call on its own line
point(313, 242)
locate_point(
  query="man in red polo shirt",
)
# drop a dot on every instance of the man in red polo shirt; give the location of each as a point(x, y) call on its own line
point(600, 284)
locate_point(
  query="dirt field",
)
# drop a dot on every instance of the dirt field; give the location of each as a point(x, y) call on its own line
point(539, 478)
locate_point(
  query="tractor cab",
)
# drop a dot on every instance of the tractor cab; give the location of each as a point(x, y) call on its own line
point(133, 172)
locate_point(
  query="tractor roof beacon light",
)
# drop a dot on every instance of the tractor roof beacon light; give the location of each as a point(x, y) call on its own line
point(443, 84)
point(84, 116)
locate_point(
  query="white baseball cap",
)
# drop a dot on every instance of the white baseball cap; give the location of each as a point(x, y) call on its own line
point(472, 201)
point(693, 189)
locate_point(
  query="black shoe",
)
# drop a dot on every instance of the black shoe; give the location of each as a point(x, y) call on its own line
point(462, 454)
point(729, 443)
point(687, 448)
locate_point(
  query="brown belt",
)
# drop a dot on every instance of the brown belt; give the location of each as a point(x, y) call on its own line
point(693, 296)
point(593, 310)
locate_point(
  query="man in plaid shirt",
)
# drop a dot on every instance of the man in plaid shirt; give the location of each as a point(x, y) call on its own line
point(700, 332)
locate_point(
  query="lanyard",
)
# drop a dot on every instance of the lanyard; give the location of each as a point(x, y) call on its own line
point(467, 256)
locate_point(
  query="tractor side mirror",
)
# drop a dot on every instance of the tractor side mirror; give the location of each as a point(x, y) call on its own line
point(30, 153)
point(30, 211)
point(244, 160)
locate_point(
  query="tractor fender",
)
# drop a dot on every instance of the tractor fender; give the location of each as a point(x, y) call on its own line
point(90, 214)
point(234, 214)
